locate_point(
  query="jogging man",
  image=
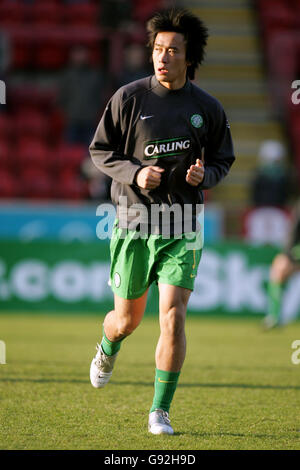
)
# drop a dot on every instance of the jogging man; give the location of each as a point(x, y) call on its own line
point(283, 266)
point(150, 141)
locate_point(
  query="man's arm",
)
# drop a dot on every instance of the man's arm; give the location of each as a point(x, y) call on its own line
point(218, 154)
point(106, 149)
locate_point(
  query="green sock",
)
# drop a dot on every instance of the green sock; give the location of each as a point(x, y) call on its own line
point(164, 389)
point(274, 292)
point(110, 347)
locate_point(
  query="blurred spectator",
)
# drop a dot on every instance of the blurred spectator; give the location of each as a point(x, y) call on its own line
point(81, 96)
point(98, 183)
point(116, 14)
point(284, 265)
point(266, 225)
point(267, 220)
point(4, 54)
point(136, 64)
point(272, 182)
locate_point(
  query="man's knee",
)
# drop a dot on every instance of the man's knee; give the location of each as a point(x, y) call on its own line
point(173, 321)
point(126, 325)
point(281, 268)
point(129, 313)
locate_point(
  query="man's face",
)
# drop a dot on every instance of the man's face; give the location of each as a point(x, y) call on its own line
point(169, 59)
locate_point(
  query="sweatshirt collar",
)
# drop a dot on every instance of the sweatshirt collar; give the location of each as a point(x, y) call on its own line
point(161, 90)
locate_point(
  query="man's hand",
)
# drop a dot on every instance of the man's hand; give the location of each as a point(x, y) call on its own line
point(195, 173)
point(149, 177)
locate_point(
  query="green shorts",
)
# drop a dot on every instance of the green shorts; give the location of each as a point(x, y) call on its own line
point(137, 262)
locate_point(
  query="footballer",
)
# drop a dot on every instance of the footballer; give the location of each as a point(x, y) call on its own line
point(283, 266)
point(151, 140)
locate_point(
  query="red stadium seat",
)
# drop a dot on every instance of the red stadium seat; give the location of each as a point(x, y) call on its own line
point(32, 123)
point(51, 47)
point(143, 10)
point(39, 105)
point(12, 13)
point(72, 188)
point(21, 44)
point(82, 14)
point(277, 13)
point(9, 186)
point(70, 157)
point(277, 16)
point(33, 98)
point(36, 184)
point(45, 13)
point(34, 154)
point(50, 50)
point(5, 127)
point(6, 156)
point(90, 37)
point(294, 124)
point(57, 123)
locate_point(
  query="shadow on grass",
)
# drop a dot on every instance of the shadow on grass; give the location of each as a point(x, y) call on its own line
point(212, 435)
point(216, 385)
point(150, 384)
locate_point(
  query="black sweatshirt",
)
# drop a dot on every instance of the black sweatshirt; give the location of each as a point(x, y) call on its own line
point(144, 124)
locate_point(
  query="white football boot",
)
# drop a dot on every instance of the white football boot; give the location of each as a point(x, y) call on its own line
point(159, 422)
point(101, 368)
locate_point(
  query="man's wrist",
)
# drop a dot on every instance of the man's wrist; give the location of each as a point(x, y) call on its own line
point(136, 175)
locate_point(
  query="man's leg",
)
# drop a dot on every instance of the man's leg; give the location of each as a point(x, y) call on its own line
point(281, 269)
point(170, 352)
point(171, 347)
point(118, 324)
point(125, 317)
point(121, 322)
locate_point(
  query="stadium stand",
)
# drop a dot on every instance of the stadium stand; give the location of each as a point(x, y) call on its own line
point(41, 35)
point(9, 186)
point(36, 160)
point(280, 26)
point(36, 184)
point(233, 72)
point(4, 155)
point(236, 71)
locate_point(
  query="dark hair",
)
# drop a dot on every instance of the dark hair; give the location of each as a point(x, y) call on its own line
point(184, 22)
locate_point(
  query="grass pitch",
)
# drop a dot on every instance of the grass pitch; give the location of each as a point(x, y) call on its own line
point(238, 388)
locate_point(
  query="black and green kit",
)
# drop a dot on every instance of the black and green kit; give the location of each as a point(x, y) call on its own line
point(144, 124)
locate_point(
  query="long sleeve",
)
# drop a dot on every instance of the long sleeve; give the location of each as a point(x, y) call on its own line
point(219, 154)
point(107, 147)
